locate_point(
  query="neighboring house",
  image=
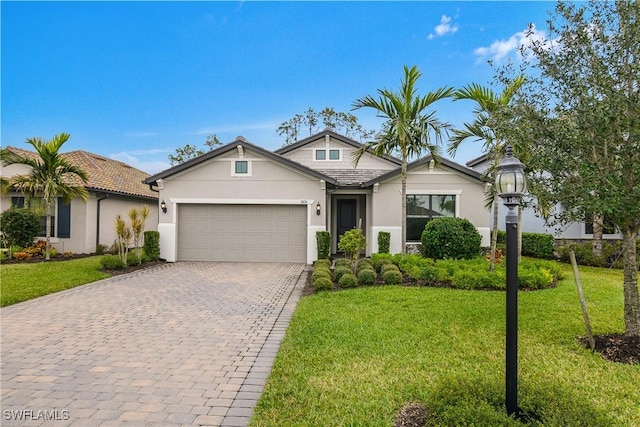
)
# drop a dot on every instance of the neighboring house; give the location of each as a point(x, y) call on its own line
point(241, 202)
point(534, 223)
point(114, 188)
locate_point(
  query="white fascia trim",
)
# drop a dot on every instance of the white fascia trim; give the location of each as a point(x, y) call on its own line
point(201, 201)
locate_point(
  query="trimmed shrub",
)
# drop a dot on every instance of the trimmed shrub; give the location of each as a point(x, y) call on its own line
point(342, 262)
point(477, 279)
point(384, 242)
point(322, 263)
point(389, 267)
point(321, 272)
point(323, 243)
point(392, 277)
point(20, 226)
point(348, 280)
point(449, 237)
point(435, 275)
point(340, 271)
point(152, 245)
point(538, 245)
point(112, 262)
point(322, 284)
point(367, 276)
point(365, 262)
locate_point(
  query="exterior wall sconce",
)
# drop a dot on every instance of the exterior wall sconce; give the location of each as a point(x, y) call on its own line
point(163, 206)
point(318, 208)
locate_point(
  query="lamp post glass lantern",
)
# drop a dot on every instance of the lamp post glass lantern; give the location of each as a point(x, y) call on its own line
point(511, 186)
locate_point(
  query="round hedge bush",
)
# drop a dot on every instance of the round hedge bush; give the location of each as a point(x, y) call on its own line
point(348, 280)
point(321, 272)
point(342, 262)
point(379, 263)
point(364, 263)
point(389, 267)
point(449, 237)
point(340, 271)
point(367, 276)
point(322, 263)
point(112, 262)
point(322, 284)
point(392, 277)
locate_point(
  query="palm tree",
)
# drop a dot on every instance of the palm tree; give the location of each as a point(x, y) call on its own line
point(410, 130)
point(491, 120)
point(51, 176)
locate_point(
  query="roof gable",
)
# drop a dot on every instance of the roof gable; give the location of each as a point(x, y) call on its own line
point(105, 175)
point(239, 142)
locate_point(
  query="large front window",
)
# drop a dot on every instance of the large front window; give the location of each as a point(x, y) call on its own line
point(422, 208)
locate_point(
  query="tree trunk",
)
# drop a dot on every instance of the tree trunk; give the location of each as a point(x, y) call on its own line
point(631, 298)
point(494, 232)
point(47, 210)
point(403, 194)
point(598, 220)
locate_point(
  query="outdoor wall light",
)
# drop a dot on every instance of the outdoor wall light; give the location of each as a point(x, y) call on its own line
point(318, 208)
point(163, 206)
point(511, 186)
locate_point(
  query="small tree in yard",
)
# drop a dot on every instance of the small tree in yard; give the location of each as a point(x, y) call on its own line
point(351, 243)
point(138, 218)
point(20, 226)
point(123, 238)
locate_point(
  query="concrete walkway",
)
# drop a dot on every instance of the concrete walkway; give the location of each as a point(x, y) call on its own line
point(178, 344)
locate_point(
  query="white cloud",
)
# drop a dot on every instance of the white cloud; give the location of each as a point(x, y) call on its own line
point(499, 49)
point(443, 28)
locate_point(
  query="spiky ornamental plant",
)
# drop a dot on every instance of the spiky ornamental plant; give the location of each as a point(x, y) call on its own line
point(410, 130)
point(123, 238)
point(51, 176)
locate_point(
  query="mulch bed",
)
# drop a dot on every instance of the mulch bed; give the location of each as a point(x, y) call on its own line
point(41, 258)
point(132, 268)
point(616, 348)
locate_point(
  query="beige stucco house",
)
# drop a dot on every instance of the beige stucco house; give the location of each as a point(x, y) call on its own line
point(241, 202)
point(114, 188)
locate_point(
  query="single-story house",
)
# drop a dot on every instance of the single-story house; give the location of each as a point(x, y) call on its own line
point(241, 202)
point(114, 188)
point(532, 222)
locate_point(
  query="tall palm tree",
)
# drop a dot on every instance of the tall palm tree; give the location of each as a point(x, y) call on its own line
point(51, 176)
point(410, 130)
point(488, 127)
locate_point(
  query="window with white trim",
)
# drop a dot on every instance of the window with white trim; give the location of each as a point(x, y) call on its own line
point(422, 208)
point(321, 154)
point(241, 168)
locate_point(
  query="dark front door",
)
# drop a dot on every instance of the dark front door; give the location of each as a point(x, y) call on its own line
point(346, 215)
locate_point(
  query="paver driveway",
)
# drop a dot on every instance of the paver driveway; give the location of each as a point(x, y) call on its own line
point(178, 344)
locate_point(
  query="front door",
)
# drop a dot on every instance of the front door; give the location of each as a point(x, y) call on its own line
point(346, 215)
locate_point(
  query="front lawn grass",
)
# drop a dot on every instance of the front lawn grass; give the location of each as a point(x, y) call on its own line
point(355, 357)
point(21, 282)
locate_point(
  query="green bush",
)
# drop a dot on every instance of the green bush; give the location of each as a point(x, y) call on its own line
point(321, 272)
point(435, 275)
point(323, 242)
point(538, 245)
point(389, 267)
point(392, 277)
point(478, 279)
point(342, 262)
point(340, 271)
point(367, 276)
point(351, 243)
point(112, 262)
point(20, 226)
point(132, 258)
point(534, 278)
point(152, 245)
point(348, 280)
point(100, 249)
point(381, 259)
point(322, 263)
point(449, 237)
point(384, 242)
point(365, 263)
point(322, 284)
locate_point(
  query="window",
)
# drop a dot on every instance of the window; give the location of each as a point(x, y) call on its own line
point(607, 225)
point(242, 167)
point(63, 223)
point(334, 154)
point(422, 208)
point(321, 154)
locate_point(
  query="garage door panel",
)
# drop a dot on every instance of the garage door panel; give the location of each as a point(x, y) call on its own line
point(268, 233)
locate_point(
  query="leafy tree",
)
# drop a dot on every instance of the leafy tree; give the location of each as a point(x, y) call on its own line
point(344, 123)
point(410, 130)
point(351, 243)
point(51, 176)
point(189, 151)
point(583, 123)
point(491, 120)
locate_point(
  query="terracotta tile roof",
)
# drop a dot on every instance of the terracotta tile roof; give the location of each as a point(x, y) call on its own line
point(105, 174)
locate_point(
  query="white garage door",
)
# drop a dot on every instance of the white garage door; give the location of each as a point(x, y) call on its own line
point(260, 233)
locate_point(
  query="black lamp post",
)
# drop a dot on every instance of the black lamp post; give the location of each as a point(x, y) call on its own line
point(511, 186)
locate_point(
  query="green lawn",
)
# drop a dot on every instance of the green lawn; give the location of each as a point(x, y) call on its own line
point(21, 282)
point(355, 357)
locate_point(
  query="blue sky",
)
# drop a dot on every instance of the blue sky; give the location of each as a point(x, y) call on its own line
point(134, 80)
